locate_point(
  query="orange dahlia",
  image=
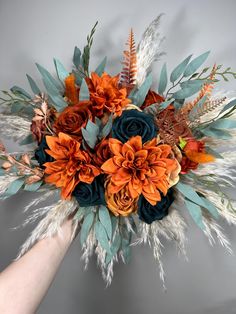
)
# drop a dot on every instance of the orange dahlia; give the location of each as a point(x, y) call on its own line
point(106, 95)
point(71, 164)
point(142, 168)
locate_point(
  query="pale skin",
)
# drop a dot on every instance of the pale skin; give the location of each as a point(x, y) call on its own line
point(24, 283)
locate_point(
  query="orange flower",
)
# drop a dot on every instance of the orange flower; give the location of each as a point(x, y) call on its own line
point(120, 203)
point(142, 168)
point(102, 152)
point(71, 164)
point(71, 90)
point(106, 95)
point(152, 98)
point(73, 118)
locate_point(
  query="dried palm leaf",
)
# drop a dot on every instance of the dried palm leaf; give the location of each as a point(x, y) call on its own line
point(148, 50)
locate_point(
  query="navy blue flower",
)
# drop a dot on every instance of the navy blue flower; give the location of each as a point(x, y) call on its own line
point(90, 194)
point(149, 213)
point(132, 123)
point(40, 155)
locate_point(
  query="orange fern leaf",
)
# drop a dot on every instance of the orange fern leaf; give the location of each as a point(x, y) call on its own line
point(129, 70)
point(71, 90)
point(205, 91)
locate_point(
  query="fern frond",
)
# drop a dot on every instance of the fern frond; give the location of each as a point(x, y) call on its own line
point(129, 70)
point(205, 91)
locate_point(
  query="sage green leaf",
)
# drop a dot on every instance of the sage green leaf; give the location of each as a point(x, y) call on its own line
point(80, 213)
point(14, 187)
point(2, 172)
point(224, 135)
point(28, 140)
point(33, 187)
point(17, 107)
point(101, 236)
point(198, 105)
point(179, 70)
point(138, 96)
point(21, 91)
point(33, 85)
point(86, 227)
point(229, 106)
point(126, 250)
point(76, 57)
point(196, 213)
point(192, 83)
point(62, 73)
point(189, 193)
point(107, 128)
point(186, 92)
point(105, 219)
point(49, 79)
point(101, 67)
point(58, 102)
point(84, 91)
point(114, 222)
point(223, 124)
point(195, 64)
point(90, 133)
point(210, 207)
point(115, 245)
point(162, 80)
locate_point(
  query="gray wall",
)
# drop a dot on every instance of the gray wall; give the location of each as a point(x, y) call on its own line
point(36, 31)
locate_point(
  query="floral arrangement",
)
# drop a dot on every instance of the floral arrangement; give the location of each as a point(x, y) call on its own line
point(124, 160)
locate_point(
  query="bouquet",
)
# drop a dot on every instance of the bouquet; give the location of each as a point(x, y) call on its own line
point(125, 160)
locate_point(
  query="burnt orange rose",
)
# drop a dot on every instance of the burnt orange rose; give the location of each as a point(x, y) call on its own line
point(73, 118)
point(71, 166)
point(120, 203)
point(152, 98)
point(106, 94)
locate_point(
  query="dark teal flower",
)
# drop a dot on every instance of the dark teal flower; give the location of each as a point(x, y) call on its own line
point(90, 194)
point(40, 155)
point(149, 213)
point(132, 123)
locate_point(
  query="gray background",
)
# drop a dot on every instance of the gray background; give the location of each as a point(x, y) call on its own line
point(37, 31)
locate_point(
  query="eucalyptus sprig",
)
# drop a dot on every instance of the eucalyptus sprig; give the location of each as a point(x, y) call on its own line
point(219, 72)
point(86, 52)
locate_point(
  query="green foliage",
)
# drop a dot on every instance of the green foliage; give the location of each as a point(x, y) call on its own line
point(86, 227)
point(101, 236)
point(33, 187)
point(105, 220)
point(162, 80)
point(84, 91)
point(195, 64)
point(138, 95)
point(86, 52)
point(195, 212)
point(90, 133)
point(20, 91)
point(62, 73)
point(101, 67)
point(178, 71)
point(35, 89)
point(13, 188)
point(76, 57)
point(28, 140)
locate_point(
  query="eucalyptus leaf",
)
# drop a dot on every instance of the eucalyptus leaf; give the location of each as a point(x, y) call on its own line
point(58, 102)
point(162, 80)
point(115, 245)
point(21, 91)
point(34, 87)
point(48, 78)
point(178, 71)
point(126, 250)
point(216, 133)
point(138, 96)
point(90, 133)
point(186, 92)
point(189, 193)
point(86, 227)
point(101, 67)
point(195, 64)
point(192, 83)
point(17, 107)
point(76, 57)
point(213, 152)
point(84, 91)
point(228, 106)
point(165, 104)
point(105, 219)
point(223, 124)
point(28, 140)
point(33, 187)
point(196, 213)
point(101, 236)
point(107, 128)
point(210, 207)
point(14, 187)
point(62, 73)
